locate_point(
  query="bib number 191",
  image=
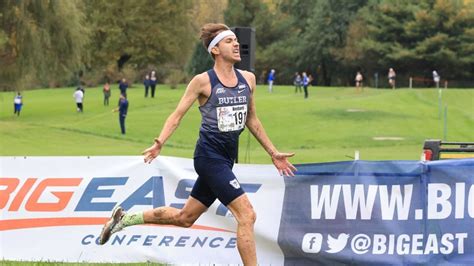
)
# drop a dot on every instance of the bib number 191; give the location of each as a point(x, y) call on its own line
point(231, 118)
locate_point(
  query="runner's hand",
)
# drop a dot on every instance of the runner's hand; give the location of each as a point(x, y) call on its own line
point(284, 167)
point(152, 152)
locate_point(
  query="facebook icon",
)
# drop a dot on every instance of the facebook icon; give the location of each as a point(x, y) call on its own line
point(312, 243)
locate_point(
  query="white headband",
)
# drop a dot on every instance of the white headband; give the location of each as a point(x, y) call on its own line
point(218, 38)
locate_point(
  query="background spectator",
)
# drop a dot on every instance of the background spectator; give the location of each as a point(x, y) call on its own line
point(146, 83)
point(297, 82)
point(270, 79)
point(107, 93)
point(153, 83)
point(358, 81)
point(17, 104)
point(123, 86)
point(122, 109)
point(305, 85)
point(79, 97)
point(436, 78)
point(391, 77)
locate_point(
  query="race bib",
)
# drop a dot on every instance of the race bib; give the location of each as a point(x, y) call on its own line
point(231, 118)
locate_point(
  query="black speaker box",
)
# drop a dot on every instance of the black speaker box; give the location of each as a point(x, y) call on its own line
point(246, 37)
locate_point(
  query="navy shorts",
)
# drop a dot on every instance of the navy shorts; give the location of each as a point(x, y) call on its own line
point(215, 181)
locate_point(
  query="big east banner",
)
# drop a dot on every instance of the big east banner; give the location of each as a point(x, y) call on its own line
point(53, 208)
point(393, 212)
point(374, 213)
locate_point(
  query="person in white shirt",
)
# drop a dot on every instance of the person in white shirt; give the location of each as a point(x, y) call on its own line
point(436, 78)
point(18, 103)
point(391, 78)
point(358, 80)
point(79, 97)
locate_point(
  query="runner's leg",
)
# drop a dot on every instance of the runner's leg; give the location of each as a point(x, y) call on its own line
point(243, 211)
point(180, 217)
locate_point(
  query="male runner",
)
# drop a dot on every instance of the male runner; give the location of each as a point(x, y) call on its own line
point(225, 96)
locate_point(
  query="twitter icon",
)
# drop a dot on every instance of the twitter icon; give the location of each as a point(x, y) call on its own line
point(337, 244)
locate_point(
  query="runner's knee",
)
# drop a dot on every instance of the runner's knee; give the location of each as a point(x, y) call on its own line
point(248, 218)
point(185, 220)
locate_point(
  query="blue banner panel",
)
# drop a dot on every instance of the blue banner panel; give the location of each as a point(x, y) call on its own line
point(373, 213)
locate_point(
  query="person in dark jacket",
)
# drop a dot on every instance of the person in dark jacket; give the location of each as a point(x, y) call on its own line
point(153, 83)
point(146, 83)
point(122, 109)
point(123, 86)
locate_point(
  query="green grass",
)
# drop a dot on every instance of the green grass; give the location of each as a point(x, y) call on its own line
point(329, 126)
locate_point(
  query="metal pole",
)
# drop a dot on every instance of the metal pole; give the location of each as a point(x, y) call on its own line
point(445, 131)
point(376, 75)
point(440, 103)
point(411, 82)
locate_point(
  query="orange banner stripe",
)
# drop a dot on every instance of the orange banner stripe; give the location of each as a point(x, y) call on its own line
point(14, 224)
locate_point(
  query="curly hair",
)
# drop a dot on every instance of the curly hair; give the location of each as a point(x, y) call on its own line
point(209, 31)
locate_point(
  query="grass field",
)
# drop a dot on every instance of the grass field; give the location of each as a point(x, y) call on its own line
point(329, 126)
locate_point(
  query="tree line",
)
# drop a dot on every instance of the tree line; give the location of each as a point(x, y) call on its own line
point(51, 43)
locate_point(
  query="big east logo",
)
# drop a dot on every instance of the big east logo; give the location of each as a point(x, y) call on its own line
point(25, 195)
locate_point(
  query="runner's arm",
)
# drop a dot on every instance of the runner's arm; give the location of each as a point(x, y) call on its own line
point(280, 160)
point(190, 95)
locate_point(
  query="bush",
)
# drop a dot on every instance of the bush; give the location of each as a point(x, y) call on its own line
point(131, 74)
point(175, 77)
point(111, 74)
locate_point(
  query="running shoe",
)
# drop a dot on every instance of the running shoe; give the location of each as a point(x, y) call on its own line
point(113, 225)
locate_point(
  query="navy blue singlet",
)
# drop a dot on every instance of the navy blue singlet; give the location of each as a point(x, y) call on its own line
point(223, 118)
